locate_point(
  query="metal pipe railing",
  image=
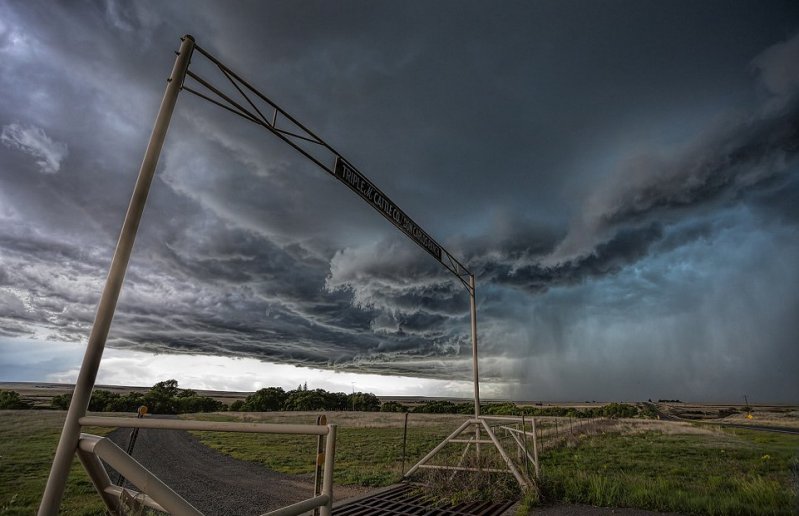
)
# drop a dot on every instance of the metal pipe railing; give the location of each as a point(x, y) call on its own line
point(99, 477)
point(137, 474)
point(214, 426)
point(301, 507)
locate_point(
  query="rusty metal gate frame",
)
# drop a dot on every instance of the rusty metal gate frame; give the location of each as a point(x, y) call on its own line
point(295, 134)
point(157, 495)
point(524, 477)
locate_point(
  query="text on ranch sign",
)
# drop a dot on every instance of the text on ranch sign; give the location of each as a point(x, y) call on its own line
point(363, 187)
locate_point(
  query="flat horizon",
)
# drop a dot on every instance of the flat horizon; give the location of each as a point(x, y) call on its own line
point(68, 386)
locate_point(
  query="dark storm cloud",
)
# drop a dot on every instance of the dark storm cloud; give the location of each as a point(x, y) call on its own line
point(728, 166)
point(626, 246)
point(600, 167)
point(620, 222)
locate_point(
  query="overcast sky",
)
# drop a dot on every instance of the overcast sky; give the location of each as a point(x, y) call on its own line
point(621, 176)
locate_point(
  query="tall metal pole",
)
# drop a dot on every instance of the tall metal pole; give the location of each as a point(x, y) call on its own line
point(70, 434)
point(476, 376)
point(473, 306)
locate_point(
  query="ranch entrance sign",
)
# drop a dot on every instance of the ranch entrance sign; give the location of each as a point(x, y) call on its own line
point(359, 184)
point(249, 103)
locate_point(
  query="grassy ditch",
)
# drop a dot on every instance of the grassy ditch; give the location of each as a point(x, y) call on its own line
point(701, 471)
point(657, 465)
point(366, 455)
point(27, 444)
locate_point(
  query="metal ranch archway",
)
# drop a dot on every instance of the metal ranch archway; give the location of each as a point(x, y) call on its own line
point(257, 108)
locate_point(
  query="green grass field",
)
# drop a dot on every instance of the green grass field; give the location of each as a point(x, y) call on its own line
point(708, 472)
point(655, 465)
point(366, 455)
point(27, 444)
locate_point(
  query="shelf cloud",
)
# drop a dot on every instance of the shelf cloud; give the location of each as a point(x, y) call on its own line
point(625, 190)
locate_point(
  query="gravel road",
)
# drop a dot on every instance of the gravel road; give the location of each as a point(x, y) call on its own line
point(216, 483)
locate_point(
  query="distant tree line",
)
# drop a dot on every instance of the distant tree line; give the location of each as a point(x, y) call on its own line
point(11, 400)
point(162, 398)
point(614, 410)
point(167, 398)
point(272, 399)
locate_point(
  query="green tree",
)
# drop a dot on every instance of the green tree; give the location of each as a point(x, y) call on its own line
point(317, 399)
point(336, 401)
point(393, 406)
point(129, 402)
point(192, 404)
point(161, 398)
point(265, 400)
point(101, 400)
point(61, 401)
point(167, 388)
point(363, 401)
point(12, 400)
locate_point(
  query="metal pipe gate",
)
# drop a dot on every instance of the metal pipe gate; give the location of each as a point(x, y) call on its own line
point(157, 495)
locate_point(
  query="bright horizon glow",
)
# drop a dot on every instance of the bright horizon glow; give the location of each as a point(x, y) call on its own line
point(59, 362)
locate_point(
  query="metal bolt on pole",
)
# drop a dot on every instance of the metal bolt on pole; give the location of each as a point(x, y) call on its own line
point(68, 443)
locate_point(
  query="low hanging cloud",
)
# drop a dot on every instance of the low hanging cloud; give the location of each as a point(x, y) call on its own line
point(723, 166)
point(778, 67)
point(412, 299)
point(653, 206)
point(32, 140)
point(595, 259)
point(622, 218)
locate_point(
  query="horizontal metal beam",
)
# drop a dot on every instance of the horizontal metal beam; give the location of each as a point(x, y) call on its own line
point(517, 419)
point(218, 426)
point(300, 507)
point(463, 468)
point(517, 431)
point(99, 477)
point(441, 445)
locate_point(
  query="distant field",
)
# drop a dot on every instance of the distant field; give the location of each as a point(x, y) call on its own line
point(368, 445)
point(680, 466)
point(785, 416)
point(40, 393)
point(648, 464)
point(677, 467)
point(661, 465)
